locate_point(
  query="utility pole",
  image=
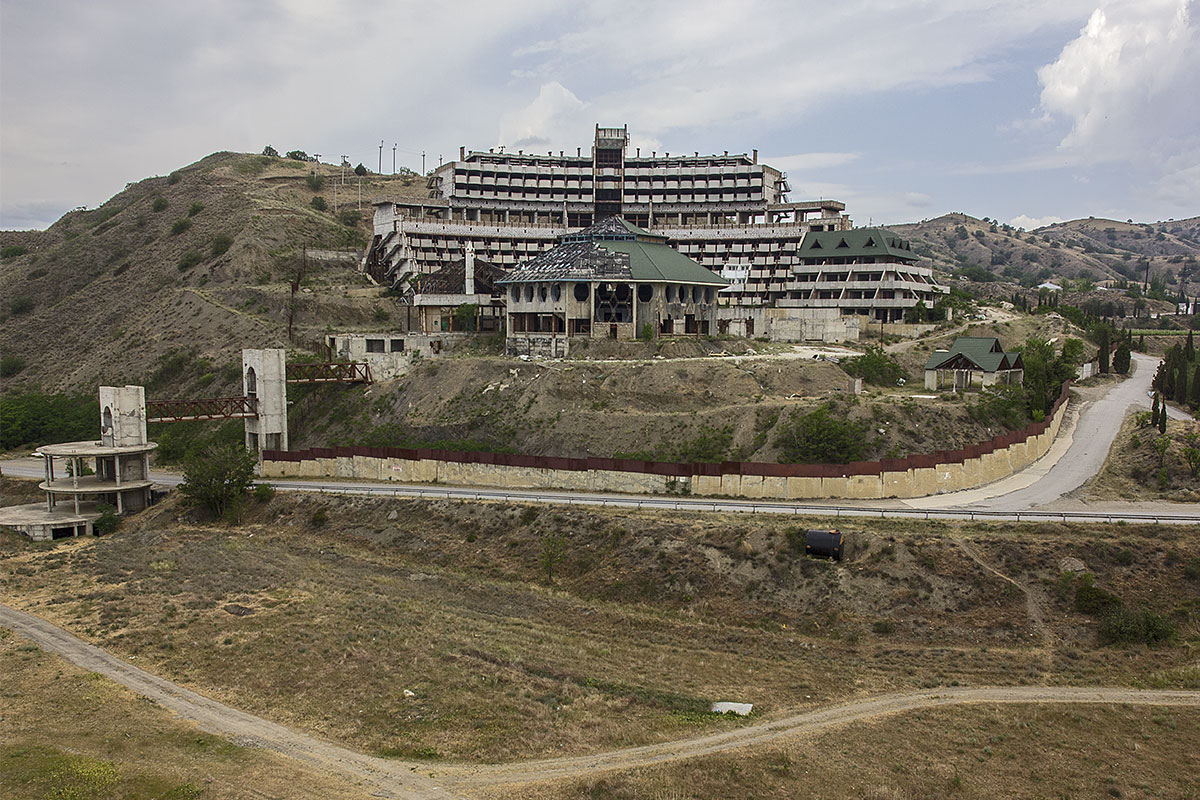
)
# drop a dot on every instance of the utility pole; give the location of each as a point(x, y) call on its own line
point(316, 161)
point(422, 162)
point(394, 146)
point(381, 156)
point(345, 163)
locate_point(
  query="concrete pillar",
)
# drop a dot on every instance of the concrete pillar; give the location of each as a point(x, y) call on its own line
point(122, 416)
point(264, 377)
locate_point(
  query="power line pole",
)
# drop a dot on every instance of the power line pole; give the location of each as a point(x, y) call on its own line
point(422, 162)
point(345, 163)
point(394, 146)
point(381, 156)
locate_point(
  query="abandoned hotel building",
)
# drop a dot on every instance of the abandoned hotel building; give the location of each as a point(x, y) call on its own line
point(794, 270)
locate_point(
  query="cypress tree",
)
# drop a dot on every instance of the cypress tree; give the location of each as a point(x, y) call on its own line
point(1162, 418)
point(1104, 350)
point(1120, 361)
point(1142, 342)
point(1189, 352)
point(1181, 384)
point(1196, 388)
point(1154, 411)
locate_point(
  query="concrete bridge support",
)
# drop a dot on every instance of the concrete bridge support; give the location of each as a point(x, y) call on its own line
point(264, 377)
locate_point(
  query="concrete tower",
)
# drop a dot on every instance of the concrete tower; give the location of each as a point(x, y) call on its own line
point(264, 377)
point(122, 416)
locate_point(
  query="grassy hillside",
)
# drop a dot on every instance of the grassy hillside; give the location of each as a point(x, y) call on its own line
point(199, 261)
point(1097, 249)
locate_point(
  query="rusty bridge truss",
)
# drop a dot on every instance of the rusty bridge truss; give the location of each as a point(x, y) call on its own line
point(331, 372)
point(210, 408)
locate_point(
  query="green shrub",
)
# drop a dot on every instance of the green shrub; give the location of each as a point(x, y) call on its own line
point(180, 226)
point(883, 627)
point(159, 204)
point(188, 260)
point(173, 178)
point(315, 182)
point(319, 203)
point(11, 365)
point(12, 251)
point(349, 217)
point(1091, 599)
point(1129, 626)
point(876, 367)
point(107, 522)
point(46, 418)
point(264, 492)
point(821, 437)
point(319, 518)
point(195, 208)
point(221, 244)
point(21, 305)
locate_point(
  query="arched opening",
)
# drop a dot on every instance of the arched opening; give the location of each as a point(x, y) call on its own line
point(251, 383)
point(106, 420)
point(556, 292)
point(581, 292)
point(645, 293)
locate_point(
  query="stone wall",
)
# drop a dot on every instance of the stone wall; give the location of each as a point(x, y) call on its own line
point(915, 476)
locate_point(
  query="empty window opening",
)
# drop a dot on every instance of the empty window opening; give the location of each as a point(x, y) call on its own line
point(251, 383)
point(375, 346)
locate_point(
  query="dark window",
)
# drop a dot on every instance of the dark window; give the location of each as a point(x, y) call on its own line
point(375, 346)
point(581, 292)
point(645, 293)
point(397, 345)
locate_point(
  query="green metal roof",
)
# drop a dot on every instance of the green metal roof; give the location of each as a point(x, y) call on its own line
point(658, 263)
point(856, 243)
point(984, 352)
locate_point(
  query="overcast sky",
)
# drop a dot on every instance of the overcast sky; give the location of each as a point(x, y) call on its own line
point(1025, 110)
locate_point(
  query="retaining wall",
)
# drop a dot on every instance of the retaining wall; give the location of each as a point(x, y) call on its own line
point(913, 476)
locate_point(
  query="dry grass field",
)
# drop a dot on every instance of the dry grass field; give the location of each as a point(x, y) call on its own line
point(1132, 470)
point(69, 734)
point(971, 752)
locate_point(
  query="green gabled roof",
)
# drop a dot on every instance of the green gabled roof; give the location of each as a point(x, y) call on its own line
point(984, 352)
point(612, 228)
point(856, 242)
point(658, 263)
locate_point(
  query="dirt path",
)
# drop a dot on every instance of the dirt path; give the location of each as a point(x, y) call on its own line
point(388, 778)
point(385, 777)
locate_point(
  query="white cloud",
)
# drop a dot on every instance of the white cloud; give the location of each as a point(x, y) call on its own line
point(1127, 83)
point(555, 117)
point(1032, 223)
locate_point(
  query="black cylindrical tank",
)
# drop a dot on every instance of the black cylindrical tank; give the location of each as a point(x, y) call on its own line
point(824, 544)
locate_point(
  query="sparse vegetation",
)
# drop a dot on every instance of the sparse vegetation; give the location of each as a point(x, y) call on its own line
point(10, 365)
point(180, 226)
point(318, 203)
point(188, 260)
point(821, 437)
point(218, 479)
point(220, 244)
point(12, 251)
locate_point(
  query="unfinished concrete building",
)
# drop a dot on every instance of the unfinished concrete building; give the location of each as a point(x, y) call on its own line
point(867, 272)
point(81, 477)
point(720, 210)
point(463, 296)
point(611, 280)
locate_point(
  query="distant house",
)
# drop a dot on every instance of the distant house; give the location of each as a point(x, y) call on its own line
point(972, 363)
point(1054, 287)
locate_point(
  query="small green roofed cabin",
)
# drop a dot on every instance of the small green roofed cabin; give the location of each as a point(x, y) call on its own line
point(973, 362)
point(612, 280)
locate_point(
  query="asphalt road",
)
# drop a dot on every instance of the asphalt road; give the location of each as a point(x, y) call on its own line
point(1076, 457)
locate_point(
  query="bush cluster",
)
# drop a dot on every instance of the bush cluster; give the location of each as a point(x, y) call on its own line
point(875, 367)
point(821, 437)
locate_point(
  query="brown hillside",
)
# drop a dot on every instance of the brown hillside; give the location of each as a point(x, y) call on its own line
point(200, 260)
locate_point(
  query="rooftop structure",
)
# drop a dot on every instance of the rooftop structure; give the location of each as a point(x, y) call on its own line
point(610, 280)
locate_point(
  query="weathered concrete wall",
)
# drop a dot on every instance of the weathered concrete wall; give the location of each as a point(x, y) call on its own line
point(789, 324)
point(950, 477)
point(122, 416)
